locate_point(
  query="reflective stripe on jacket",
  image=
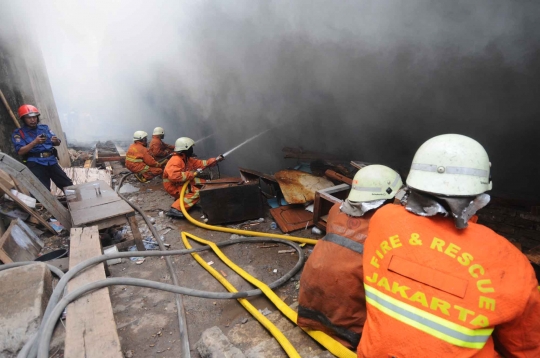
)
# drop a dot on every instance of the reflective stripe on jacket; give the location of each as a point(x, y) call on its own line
point(138, 159)
point(436, 291)
point(331, 297)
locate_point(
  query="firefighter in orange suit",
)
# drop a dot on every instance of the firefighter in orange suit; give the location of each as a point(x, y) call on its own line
point(181, 168)
point(139, 160)
point(437, 284)
point(158, 148)
point(331, 297)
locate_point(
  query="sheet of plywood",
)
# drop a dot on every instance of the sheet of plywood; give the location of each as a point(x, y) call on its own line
point(101, 212)
point(84, 175)
point(299, 187)
point(90, 326)
point(292, 217)
point(17, 246)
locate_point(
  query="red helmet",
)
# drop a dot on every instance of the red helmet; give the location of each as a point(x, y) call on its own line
point(28, 110)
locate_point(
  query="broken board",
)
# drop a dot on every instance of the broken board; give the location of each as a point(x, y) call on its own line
point(17, 245)
point(90, 326)
point(292, 217)
point(299, 187)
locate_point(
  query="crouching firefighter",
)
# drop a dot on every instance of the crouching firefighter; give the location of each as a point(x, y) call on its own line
point(158, 148)
point(438, 284)
point(35, 142)
point(331, 297)
point(139, 160)
point(181, 168)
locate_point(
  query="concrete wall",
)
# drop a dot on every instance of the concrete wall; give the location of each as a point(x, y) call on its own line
point(24, 79)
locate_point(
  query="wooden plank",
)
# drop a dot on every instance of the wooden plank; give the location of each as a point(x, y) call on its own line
point(90, 326)
point(16, 246)
point(107, 223)
point(101, 212)
point(292, 217)
point(325, 199)
point(120, 150)
point(358, 164)
point(92, 202)
point(20, 189)
point(136, 233)
point(27, 179)
point(27, 209)
point(111, 159)
point(336, 176)
point(6, 180)
point(88, 163)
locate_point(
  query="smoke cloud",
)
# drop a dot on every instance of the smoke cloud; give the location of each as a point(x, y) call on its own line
point(366, 80)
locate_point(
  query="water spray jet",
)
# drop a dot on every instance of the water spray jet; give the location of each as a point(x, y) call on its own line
point(244, 142)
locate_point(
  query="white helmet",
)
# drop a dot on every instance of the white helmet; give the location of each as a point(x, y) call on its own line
point(158, 131)
point(183, 143)
point(451, 164)
point(139, 135)
point(375, 182)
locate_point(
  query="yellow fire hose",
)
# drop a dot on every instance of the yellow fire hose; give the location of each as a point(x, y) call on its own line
point(237, 231)
point(325, 340)
point(278, 335)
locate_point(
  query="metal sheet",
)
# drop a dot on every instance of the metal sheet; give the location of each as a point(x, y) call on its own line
point(299, 187)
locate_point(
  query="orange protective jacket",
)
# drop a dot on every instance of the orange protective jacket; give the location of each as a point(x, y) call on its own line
point(331, 297)
point(138, 157)
point(435, 291)
point(180, 169)
point(159, 149)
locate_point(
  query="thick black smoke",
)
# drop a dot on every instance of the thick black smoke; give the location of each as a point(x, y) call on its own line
point(367, 80)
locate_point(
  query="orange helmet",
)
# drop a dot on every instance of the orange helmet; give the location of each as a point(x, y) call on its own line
point(28, 110)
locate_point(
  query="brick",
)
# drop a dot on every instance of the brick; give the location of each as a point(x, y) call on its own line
point(530, 217)
point(530, 234)
point(501, 228)
point(498, 210)
point(489, 218)
point(525, 224)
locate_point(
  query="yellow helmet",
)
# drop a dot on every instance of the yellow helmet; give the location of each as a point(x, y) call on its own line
point(158, 131)
point(451, 164)
point(139, 135)
point(375, 182)
point(183, 143)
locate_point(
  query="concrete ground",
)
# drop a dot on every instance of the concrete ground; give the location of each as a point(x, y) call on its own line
point(147, 319)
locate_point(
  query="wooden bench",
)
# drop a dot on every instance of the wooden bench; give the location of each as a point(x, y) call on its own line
point(90, 326)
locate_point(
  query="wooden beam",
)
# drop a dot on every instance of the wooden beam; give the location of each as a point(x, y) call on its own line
point(27, 209)
point(338, 177)
point(90, 326)
point(27, 179)
point(120, 150)
point(136, 233)
point(111, 159)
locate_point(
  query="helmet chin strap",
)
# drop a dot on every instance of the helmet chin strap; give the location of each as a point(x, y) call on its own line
point(461, 208)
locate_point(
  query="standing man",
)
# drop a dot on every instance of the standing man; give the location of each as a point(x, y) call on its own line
point(181, 168)
point(159, 149)
point(437, 284)
point(139, 160)
point(35, 143)
point(332, 297)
